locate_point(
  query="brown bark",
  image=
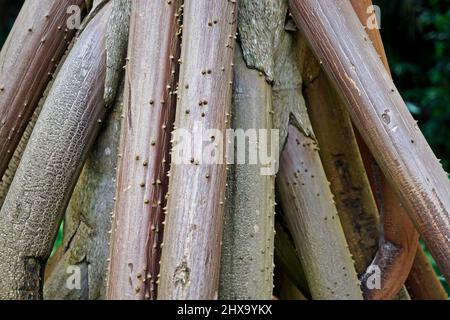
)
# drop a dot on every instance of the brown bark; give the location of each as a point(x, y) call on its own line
point(28, 58)
point(8, 177)
point(191, 251)
point(422, 282)
point(51, 163)
point(361, 8)
point(142, 181)
point(354, 200)
point(389, 198)
point(338, 40)
point(399, 238)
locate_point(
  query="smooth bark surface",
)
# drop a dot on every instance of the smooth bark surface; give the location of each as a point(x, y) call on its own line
point(51, 164)
point(142, 183)
point(336, 35)
point(191, 253)
point(28, 58)
point(248, 239)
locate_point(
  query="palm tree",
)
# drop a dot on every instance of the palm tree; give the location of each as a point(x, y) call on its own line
point(96, 137)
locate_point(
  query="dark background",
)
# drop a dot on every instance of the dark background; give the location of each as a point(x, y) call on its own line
point(416, 35)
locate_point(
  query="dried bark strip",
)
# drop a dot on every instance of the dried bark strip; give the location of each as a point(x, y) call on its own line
point(51, 163)
point(191, 252)
point(142, 182)
point(88, 219)
point(28, 58)
point(248, 237)
point(338, 40)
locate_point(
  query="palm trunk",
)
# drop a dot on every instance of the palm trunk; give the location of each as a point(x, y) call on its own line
point(148, 118)
point(334, 32)
point(28, 59)
point(190, 261)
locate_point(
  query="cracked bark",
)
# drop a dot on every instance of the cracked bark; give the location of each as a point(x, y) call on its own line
point(88, 219)
point(8, 177)
point(51, 163)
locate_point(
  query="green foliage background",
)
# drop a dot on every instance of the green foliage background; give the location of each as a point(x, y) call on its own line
point(416, 35)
